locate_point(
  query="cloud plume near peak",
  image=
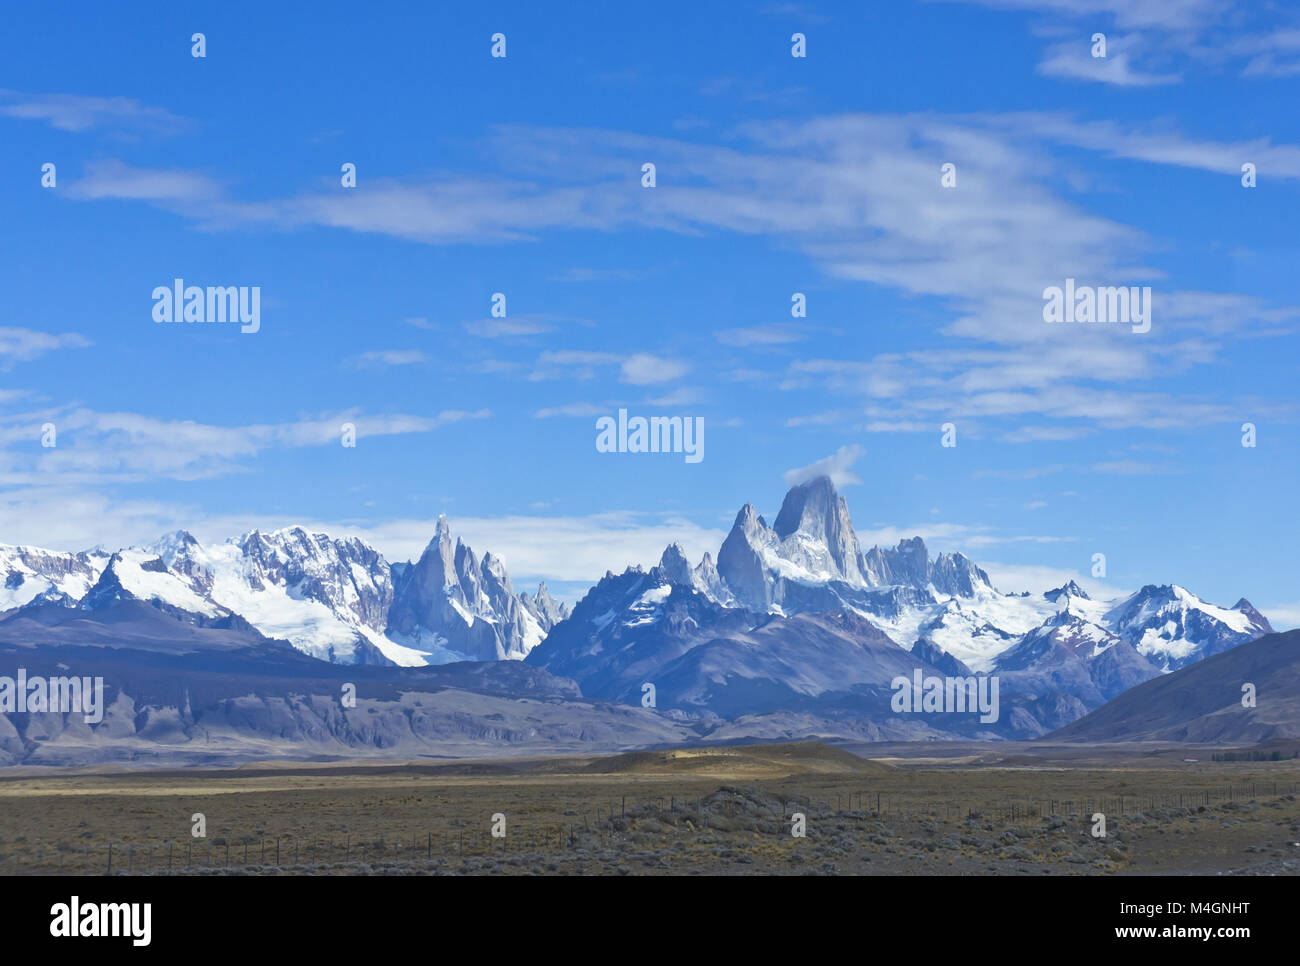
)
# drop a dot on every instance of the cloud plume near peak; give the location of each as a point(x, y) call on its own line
point(838, 466)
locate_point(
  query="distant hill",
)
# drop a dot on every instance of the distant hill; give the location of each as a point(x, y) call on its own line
point(216, 691)
point(1202, 702)
point(742, 761)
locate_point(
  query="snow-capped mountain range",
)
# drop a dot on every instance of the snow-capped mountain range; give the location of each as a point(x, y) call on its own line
point(1062, 653)
point(810, 560)
point(791, 616)
point(335, 599)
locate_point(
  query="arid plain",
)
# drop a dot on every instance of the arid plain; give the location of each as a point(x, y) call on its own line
point(1009, 810)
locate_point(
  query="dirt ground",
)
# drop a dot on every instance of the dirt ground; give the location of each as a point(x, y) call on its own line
point(718, 811)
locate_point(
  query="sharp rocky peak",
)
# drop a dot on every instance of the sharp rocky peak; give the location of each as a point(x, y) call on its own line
point(1068, 589)
point(814, 505)
point(674, 566)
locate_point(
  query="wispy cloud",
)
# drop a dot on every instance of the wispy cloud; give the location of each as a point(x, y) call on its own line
point(572, 409)
point(77, 113)
point(116, 180)
point(682, 396)
point(1130, 468)
point(637, 369)
point(101, 447)
point(23, 345)
point(595, 275)
point(1145, 38)
point(860, 195)
point(1072, 60)
point(377, 358)
point(775, 334)
point(516, 327)
point(838, 466)
point(800, 12)
point(644, 369)
point(1283, 617)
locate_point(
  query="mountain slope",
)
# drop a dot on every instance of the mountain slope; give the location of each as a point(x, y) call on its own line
point(1203, 702)
point(176, 692)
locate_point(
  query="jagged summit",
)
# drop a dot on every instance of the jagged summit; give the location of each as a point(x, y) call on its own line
point(1173, 627)
point(544, 607)
point(336, 599)
point(178, 541)
point(676, 568)
point(815, 531)
point(811, 557)
point(441, 538)
point(1068, 589)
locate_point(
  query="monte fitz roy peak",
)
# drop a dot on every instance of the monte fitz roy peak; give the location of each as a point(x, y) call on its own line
point(335, 599)
point(796, 617)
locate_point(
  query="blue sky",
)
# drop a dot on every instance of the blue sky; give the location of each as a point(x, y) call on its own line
point(775, 175)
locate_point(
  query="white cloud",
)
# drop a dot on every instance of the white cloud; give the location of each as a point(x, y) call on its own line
point(23, 345)
point(1283, 617)
point(638, 369)
point(595, 275)
point(1129, 468)
point(581, 547)
point(1258, 39)
point(116, 180)
point(1169, 15)
point(837, 466)
point(1073, 61)
point(571, 364)
point(509, 327)
point(846, 191)
point(572, 409)
point(560, 548)
point(775, 334)
point(76, 113)
point(681, 396)
point(95, 448)
point(391, 357)
point(1014, 578)
point(644, 369)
